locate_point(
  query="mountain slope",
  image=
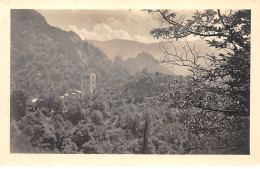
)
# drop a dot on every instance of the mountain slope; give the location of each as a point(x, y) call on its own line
point(48, 60)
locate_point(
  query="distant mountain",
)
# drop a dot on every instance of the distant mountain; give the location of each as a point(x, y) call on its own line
point(143, 60)
point(130, 49)
point(126, 48)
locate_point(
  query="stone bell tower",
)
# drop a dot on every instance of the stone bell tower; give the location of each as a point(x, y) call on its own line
point(88, 84)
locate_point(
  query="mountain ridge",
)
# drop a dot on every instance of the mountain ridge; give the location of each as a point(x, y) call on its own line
point(127, 40)
point(48, 60)
point(130, 49)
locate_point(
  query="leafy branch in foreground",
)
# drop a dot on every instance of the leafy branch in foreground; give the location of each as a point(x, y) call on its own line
point(226, 71)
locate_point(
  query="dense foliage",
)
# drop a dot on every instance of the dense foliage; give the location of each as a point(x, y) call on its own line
point(219, 89)
point(114, 122)
point(226, 72)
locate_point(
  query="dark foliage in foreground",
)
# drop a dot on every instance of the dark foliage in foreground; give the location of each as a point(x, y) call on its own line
point(112, 123)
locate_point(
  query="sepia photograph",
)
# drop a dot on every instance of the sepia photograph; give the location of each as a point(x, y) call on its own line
point(151, 81)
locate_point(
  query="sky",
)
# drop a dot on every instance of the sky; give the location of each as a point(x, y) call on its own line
point(106, 24)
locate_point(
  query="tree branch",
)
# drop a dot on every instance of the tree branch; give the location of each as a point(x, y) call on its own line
point(172, 22)
point(221, 19)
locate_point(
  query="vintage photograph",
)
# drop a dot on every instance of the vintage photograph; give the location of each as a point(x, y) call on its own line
point(158, 81)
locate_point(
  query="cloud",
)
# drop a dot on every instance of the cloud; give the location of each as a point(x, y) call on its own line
point(104, 32)
point(130, 25)
point(101, 32)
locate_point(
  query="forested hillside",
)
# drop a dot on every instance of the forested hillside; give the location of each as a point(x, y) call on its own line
point(46, 59)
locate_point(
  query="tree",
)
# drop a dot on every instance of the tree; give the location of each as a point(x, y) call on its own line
point(18, 104)
point(19, 143)
point(97, 117)
point(40, 132)
point(214, 101)
point(63, 130)
point(74, 113)
point(50, 104)
point(226, 73)
point(81, 134)
point(69, 147)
